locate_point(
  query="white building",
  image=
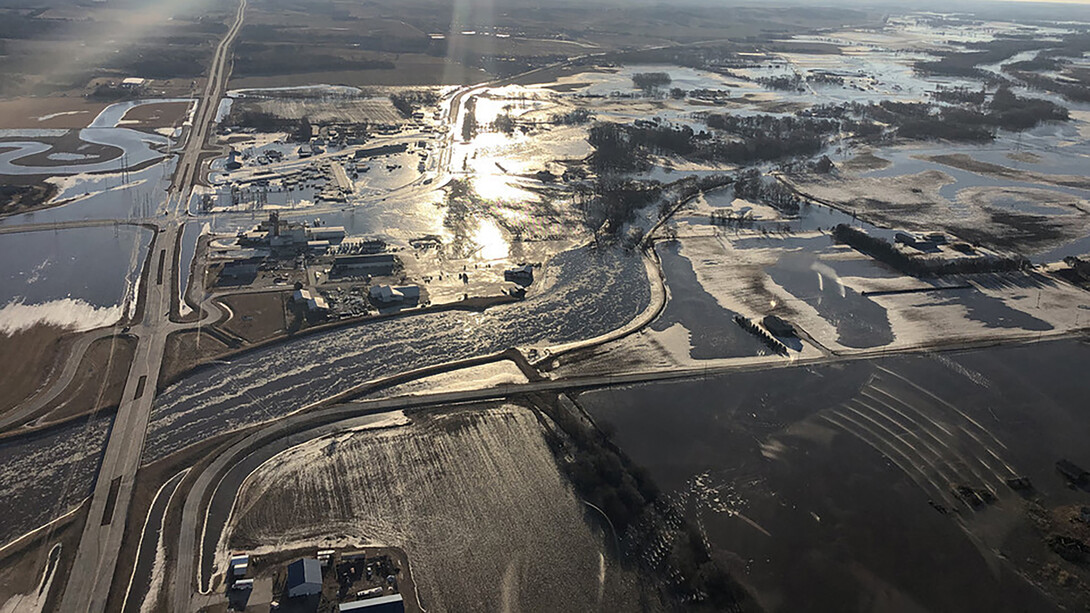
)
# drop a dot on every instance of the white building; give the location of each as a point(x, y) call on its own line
point(389, 294)
point(326, 233)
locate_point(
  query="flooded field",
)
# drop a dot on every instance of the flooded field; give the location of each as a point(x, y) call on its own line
point(821, 484)
point(472, 495)
point(583, 293)
point(710, 328)
point(80, 278)
point(39, 483)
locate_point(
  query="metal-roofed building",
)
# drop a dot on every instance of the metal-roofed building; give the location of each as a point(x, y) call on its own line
point(304, 577)
point(393, 603)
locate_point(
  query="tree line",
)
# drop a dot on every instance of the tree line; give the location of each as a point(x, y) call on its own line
point(885, 252)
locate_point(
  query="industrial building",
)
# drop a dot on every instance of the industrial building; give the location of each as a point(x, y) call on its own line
point(778, 326)
point(282, 234)
point(241, 271)
point(304, 578)
point(382, 150)
point(326, 233)
point(239, 565)
point(393, 603)
point(372, 264)
point(314, 303)
point(390, 295)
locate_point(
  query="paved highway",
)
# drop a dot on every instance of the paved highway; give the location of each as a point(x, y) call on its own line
point(92, 572)
point(67, 225)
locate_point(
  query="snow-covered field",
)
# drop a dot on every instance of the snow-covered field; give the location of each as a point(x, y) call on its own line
point(473, 496)
point(473, 378)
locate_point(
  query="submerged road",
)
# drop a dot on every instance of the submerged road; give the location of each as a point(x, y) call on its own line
point(92, 571)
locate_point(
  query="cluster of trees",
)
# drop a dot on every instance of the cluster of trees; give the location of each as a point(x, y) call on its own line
point(299, 129)
point(751, 185)
point(575, 117)
point(613, 151)
point(1043, 61)
point(755, 138)
point(503, 123)
point(611, 201)
point(603, 476)
point(1005, 110)
point(650, 81)
point(469, 120)
point(14, 198)
point(823, 78)
point(164, 62)
point(1076, 92)
point(106, 92)
point(960, 95)
point(782, 83)
point(1012, 112)
point(972, 121)
point(964, 64)
point(767, 137)
point(883, 251)
point(409, 102)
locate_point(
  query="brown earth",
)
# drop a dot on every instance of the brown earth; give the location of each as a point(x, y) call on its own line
point(24, 562)
point(863, 162)
point(184, 351)
point(159, 115)
point(24, 112)
point(257, 316)
point(410, 70)
point(964, 162)
point(99, 382)
point(28, 359)
point(69, 143)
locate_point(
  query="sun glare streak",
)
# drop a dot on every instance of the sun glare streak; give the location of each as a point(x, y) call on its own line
point(110, 32)
point(491, 244)
point(477, 16)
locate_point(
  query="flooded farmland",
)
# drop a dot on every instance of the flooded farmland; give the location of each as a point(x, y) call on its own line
point(42, 284)
point(833, 484)
point(38, 483)
point(473, 496)
point(584, 293)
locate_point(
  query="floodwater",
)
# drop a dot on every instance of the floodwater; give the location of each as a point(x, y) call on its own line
point(137, 147)
point(112, 115)
point(582, 294)
point(396, 218)
point(904, 162)
point(712, 331)
point(796, 473)
point(81, 278)
point(38, 483)
point(191, 232)
point(811, 217)
point(104, 196)
point(860, 322)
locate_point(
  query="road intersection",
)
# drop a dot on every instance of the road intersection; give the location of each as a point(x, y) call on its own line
point(92, 572)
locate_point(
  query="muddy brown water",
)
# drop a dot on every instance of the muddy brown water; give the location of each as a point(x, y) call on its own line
point(794, 473)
